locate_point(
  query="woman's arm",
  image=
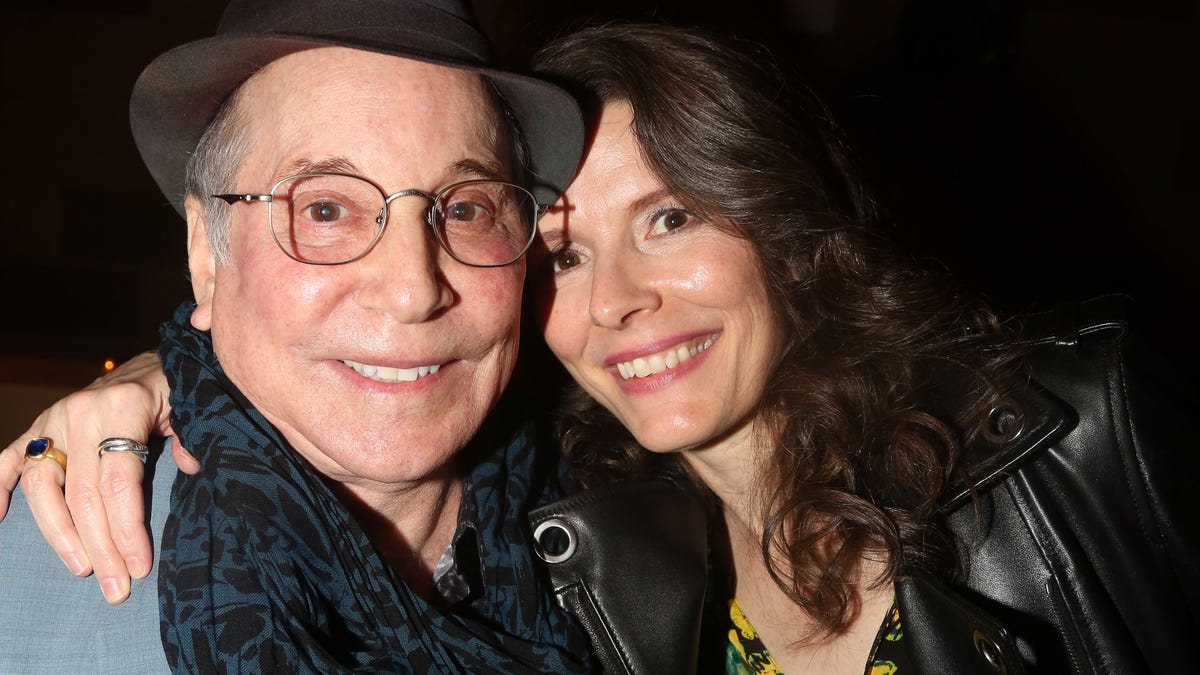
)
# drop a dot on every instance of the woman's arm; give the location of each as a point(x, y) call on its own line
point(97, 523)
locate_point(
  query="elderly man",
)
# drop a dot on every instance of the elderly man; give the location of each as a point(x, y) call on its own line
point(357, 210)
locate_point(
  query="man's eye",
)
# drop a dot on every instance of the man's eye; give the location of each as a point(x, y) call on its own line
point(669, 220)
point(465, 211)
point(324, 212)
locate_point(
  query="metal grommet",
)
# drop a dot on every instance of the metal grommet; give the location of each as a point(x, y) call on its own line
point(990, 652)
point(1004, 423)
point(553, 526)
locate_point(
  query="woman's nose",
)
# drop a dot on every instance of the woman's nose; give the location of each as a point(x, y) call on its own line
point(621, 290)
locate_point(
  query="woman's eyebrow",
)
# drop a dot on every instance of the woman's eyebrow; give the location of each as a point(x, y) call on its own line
point(551, 237)
point(650, 200)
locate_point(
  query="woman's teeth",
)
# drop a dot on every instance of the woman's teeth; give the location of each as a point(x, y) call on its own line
point(389, 374)
point(645, 366)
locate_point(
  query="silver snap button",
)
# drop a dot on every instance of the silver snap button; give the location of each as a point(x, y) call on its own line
point(989, 651)
point(547, 540)
point(1004, 423)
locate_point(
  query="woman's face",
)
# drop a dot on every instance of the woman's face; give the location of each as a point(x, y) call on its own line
point(661, 316)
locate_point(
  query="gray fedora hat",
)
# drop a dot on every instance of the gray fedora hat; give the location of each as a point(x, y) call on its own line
point(177, 95)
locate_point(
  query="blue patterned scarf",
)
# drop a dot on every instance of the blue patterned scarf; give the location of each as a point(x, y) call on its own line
point(263, 569)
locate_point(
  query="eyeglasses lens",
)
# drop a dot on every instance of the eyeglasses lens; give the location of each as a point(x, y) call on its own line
point(326, 218)
point(331, 218)
point(485, 222)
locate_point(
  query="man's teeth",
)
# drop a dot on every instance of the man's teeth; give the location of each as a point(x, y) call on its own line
point(645, 366)
point(389, 374)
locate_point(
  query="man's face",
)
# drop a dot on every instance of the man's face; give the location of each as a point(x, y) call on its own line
point(315, 347)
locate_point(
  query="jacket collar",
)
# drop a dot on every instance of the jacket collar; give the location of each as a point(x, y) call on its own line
point(1017, 430)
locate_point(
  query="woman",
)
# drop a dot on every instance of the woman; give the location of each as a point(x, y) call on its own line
point(716, 283)
point(796, 391)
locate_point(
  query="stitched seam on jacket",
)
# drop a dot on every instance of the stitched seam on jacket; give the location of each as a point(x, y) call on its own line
point(607, 624)
point(1139, 462)
point(1118, 399)
point(1137, 476)
point(1084, 642)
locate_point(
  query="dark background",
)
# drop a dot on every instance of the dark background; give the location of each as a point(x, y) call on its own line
point(1044, 150)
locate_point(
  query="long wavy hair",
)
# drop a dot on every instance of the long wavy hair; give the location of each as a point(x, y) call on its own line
point(887, 366)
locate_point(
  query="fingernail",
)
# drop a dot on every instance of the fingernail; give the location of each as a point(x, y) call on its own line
point(112, 591)
point(75, 564)
point(137, 567)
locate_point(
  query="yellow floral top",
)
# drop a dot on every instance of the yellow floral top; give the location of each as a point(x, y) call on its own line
point(747, 655)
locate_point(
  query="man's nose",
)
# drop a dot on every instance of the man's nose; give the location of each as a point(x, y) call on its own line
point(621, 290)
point(404, 275)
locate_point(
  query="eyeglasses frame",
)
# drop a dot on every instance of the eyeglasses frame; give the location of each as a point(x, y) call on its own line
point(382, 218)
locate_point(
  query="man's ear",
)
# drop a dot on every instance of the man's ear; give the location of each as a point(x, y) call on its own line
point(202, 265)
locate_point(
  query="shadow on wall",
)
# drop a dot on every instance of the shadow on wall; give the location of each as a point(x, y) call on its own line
point(1045, 150)
point(21, 403)
point(29, 384)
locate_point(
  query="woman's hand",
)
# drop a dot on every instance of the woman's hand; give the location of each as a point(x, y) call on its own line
point(98, 522)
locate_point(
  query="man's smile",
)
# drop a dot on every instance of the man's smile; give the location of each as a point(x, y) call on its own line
point(390, 374)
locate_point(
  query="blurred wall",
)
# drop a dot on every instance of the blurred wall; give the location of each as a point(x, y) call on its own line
point(1044, 149)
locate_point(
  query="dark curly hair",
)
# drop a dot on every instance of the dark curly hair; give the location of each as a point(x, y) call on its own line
point(887, 366)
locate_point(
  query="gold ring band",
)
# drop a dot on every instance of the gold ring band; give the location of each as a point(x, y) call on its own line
point(58, 456)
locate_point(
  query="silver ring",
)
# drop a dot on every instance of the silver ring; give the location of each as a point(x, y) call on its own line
point(124, 445)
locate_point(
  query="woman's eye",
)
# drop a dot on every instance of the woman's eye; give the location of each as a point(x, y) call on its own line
point(669, 220)
point(324, 212)
point(565, 259)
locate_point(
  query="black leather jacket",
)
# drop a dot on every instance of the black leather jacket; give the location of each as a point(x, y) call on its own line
point(1080, 551)
point(1084, 542)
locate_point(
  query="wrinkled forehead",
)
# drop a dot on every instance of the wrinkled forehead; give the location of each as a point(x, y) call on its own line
point(341, 101)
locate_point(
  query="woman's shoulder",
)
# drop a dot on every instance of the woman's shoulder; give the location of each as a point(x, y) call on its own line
point(1077, 513)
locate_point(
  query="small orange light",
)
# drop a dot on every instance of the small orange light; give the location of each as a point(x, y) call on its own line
point(109, 364)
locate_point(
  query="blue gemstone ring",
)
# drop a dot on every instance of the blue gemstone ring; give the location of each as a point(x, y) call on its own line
point(41, 448)
point(124, 445)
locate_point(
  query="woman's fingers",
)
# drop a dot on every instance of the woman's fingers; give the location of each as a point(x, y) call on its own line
point(184, 459)
point(93, 514)
point(105, 495)
point(11, 459)
point(42, 483)
point(120, 484)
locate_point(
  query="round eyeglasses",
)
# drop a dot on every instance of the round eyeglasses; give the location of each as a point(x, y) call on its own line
point(332, 218)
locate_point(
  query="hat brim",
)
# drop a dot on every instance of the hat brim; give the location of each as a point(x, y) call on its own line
point(177, 95)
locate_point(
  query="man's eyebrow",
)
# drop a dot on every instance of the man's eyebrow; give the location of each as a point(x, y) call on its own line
point(325, 165)
point(473, 168)
point(462, 169)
